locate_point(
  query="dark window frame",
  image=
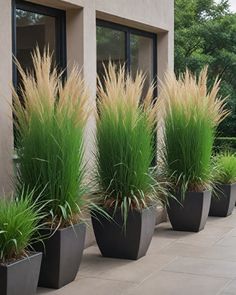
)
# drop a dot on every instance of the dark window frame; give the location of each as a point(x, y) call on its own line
point(128, 31)
point(60, 18)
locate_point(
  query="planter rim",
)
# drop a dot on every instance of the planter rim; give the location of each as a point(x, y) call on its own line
point(226, 184)
point(32, 254)
point(62, 229)
point(197, 192)
point(134, 209)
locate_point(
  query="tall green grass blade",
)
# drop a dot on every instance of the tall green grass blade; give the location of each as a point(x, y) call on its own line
point(191, 114)
point(50, 125)
point(125, 133)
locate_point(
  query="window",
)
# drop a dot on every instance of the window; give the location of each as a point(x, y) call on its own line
point(36, 25)
point(123, 45)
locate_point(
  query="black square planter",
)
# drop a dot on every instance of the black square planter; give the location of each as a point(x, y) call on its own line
point(192, 214)
point(62, 255)
point(20, 277)
point(130, 243)
point(223, 200)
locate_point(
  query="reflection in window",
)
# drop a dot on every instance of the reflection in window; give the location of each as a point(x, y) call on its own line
point(142, 57)
point(110, 47)
point(33, 29)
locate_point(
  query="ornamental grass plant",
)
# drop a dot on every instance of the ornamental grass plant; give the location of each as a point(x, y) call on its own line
point(50, 121)
point(191, 115)
point(126, 125)
point(225, 168)
point(19, 224)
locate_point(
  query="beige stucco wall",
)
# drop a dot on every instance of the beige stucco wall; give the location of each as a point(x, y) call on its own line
point(6, 138)
point(152, 15)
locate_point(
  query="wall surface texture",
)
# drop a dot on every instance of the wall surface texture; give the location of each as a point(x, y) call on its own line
point(151, 15)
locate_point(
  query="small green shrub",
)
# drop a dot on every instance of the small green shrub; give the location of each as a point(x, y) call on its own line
point(19, 223)
point(125, 132)
point(191, 115)
point(225, 168)
point(50, 126)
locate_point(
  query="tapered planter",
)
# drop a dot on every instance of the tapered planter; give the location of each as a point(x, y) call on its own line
point(223, 200)
point(192, 213)
point(62, 255)
point(20, 277)
point(130, 243)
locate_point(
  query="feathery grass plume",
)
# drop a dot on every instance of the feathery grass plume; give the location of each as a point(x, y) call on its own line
point(50, 125)
point(191, 115)
point(224, 165)
point(126, 125)
point(19, 224)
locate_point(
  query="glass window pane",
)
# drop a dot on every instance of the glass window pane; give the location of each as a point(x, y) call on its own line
point(110, 47)
point(33, 29)
point(142, 57)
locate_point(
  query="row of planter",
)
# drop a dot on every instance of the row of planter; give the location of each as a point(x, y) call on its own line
point(192, 213)
point(64, 249)
point(53, 194)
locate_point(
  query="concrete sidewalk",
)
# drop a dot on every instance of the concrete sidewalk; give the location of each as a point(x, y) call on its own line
point(177, 263)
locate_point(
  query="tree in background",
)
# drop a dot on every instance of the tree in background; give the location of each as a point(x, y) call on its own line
point(205, 33)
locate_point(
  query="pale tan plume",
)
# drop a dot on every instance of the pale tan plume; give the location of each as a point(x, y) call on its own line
point(43, 92)
point(119, 92)
point(191, 93)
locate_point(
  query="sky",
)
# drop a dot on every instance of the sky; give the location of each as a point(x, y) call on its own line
point(233, 5)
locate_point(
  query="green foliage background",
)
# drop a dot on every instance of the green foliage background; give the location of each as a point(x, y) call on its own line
point(205, 33)
point(224, 165)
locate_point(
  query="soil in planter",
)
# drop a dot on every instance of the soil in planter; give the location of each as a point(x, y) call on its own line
point(23, 255)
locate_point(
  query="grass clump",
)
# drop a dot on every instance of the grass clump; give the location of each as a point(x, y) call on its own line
point(19, 224)
point(225, 168)
point(126, 125)
point(50, 126)
point(191, 114)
